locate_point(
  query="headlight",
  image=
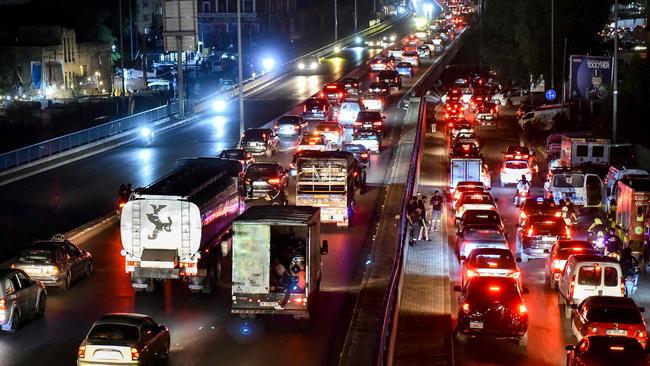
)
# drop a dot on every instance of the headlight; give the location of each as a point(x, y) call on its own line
point(219, 105)
point(145, 132)
point(313, 65)
point(392, 38)
point(301, 66)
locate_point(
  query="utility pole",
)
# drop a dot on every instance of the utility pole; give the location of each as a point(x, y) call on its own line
point(131, 29)
point(241, 72)
point(564, 73)
point(355, 16)
point(552, 43)
point(336, 22)
point(122, 50)
point(615, 77)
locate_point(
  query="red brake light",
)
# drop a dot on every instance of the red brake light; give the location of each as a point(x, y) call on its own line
point(274, 181)
point(364, 155)
point(522, 309)
point(304, 107)
point(331, 87)
point(494, 288)
point(572, 285)
point(81, 353)
point(568, 231)
point(466, 307)
point(471, 273)
point(617, 348)
point(135, 354)
point(522, 215)
point(376, 123)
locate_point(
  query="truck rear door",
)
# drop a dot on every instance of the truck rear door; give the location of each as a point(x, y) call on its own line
point(457, 173)
point(251, 259)
point(473, 173)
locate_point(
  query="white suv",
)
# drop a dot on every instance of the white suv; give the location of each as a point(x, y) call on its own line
point(587, 275)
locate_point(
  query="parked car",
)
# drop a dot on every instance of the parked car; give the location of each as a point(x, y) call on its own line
point(124, 339)
point(54, 262)
point(22, 297)
point(492, 307)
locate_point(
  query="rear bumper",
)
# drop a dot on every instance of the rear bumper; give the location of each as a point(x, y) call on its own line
point(107, 362)
point(50, 280)
point(256, 149)
point(314, 116)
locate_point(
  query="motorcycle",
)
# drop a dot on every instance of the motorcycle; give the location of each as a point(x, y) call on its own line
point(520, 198)
point(631, 283)
point(599, 245)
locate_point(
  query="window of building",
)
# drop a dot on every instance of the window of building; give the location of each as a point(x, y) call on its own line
point(206, 7)
point(84, 70)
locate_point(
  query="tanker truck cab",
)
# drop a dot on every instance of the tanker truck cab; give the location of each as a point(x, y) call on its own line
point(276, 261)
point(172, 229)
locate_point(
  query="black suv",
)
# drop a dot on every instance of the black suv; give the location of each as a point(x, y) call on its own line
point(260, 141)
point(390, 77)
point(266, 178)
point(492, 307)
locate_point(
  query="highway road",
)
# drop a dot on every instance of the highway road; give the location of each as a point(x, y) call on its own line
point(202, 330)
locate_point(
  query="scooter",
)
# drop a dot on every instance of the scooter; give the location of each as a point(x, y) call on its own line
point(520, 198)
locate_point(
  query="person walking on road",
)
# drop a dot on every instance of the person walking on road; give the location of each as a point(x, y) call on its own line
point(436, 202)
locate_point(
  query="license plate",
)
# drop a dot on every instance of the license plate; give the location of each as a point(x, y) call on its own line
point(476, 325)
point(269, 303)
point(616, 332)
point(259, 183)
point(546, 238)
point(252, 144)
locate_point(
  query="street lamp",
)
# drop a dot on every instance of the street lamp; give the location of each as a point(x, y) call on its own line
point(615, 77)
point(336, 21)
point(241, 73)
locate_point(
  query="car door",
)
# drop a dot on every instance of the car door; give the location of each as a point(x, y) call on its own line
point(64, 261)
point(151, 337)
point(75, 260)
point(19, 297)
point(28, 291)
point(579, 318)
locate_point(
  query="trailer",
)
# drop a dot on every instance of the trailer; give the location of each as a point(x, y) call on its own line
point(632, 209)
point(468, 170)
point(276, 261)
point(179, 226)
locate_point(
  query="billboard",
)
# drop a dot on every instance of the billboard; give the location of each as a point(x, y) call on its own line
point(590, 77)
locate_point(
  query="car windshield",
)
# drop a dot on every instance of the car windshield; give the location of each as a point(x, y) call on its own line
point(614, 314)
point(502, 260)
point(36, 256)
point(483, 234)
point(404, 64)
point(233, 154)
point(114, 332)
point(476, 199)
point(549, 226)
point(568, 180)
point(350, 106)
point(314, 103)
point(516, 165)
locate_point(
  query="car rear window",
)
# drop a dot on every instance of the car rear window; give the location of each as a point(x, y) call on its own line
point(232, 154)
point(490, 290)
point(314, 103)
point(387, 74)
point(261, 169)
point(589, 275)
point(350, 106)
point(114, 332)
point(354, 148)
point(256, 134)
point(504, 260)
point(611, 276)
point(36, 256)
point(483, 234)
point(482, 217)
point(614, 314)
point(476, 199)
point(288, 121)
point(362, 116)
point(516, 165)
point(549, 227)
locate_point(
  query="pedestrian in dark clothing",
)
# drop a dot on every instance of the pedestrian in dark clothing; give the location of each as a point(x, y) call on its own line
point(436, 202)
point(415, 219)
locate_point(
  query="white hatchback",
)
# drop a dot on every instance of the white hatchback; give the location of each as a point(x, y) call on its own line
point(512, 171)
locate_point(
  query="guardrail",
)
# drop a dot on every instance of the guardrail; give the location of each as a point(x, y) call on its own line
point(73, 140)
point(391, 300)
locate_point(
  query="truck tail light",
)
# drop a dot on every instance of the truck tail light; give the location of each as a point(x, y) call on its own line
point(188, 269)
point(523, 309)
point(135, 354)
point(274, 181)
point(81, 352)
point(129, 266)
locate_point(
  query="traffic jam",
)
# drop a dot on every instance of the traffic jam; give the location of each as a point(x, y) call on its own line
point(580, 220)
point(261, 210)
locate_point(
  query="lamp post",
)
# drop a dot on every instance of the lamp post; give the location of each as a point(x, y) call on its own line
point(122, 51)
point(552, 43)
point(355, 16)
point(336, 21)
point(615, 77)
point(241, 76)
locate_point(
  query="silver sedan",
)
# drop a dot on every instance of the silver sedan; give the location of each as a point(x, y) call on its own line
point(20, 298)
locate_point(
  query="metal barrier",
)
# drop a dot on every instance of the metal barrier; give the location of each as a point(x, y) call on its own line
point(390, 301)
point(73, 140)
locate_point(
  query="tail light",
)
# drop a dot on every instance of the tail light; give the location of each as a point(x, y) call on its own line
point(3, 305)
point(188, 268)
point(522, 215)
point(274, 181)
point(296, 127)
point(523, 309)
point(322, 94)
point(471, 273)
point(81, 352)
point(568, 231)
point(324, 108)
point(593, 330)
point(276, 127)
point(357, 123)
point(558, 213)
point(304, 107)
point(531, 231)
point(122, 204)
point(135, 354)
point(312, 143)
point(396, 80)
point(355, 174)
point(622, 288)
point(556, 265)
point(264, 136)
point(466, 308)
point(515, 274)
point(494, 288)
point(376, 123)
point(129, 266)
point(640, 334)
point(572, 286)
point(364, 155)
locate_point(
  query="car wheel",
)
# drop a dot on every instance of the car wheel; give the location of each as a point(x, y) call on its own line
point(89, 269)
point(15, 321)
point(523, 341)
point(165, 354)
point(42, 304)
point(66, 281)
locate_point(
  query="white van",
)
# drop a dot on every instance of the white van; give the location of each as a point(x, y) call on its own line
point(584, 189)
point(348, 112)
point(587, 275)
point(541, 118)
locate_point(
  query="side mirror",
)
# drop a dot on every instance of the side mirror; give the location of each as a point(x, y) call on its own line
point(569, 347)
point(162, 328)
point(383, 117)
point(458, 288)
point(462, 257)
point(641, 309)
point(525, 291)
point(546, 251)
point(574, 306)
point(325, 248)
point(518, 259)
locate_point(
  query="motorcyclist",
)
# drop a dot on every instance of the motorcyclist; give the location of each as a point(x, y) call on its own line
point(597, 228)
point(523, 185)
point(613, 243)
point(629, 265)
point(568, 215)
